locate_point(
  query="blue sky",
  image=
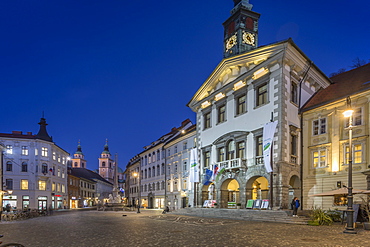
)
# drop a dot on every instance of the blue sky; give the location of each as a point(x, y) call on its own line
point(125, 70)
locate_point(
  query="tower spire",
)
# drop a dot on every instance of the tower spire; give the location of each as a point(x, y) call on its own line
point(43, 134)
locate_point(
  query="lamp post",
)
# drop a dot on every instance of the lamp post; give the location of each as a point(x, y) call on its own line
point(136, 174)
point(349, 228)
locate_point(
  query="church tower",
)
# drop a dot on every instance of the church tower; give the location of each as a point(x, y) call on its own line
point(78, 160)
point(240, 29)
point(106, 164)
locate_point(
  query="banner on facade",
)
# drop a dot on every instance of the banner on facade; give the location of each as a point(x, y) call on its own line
point(219, 173)
point(194, 166)
point(268, 136)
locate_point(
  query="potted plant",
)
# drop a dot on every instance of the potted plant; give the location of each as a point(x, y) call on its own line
point(238, 205)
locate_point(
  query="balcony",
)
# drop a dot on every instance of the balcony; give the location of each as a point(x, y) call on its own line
point(232, 164)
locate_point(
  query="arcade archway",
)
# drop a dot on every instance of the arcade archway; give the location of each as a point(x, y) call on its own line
point(294, 188)
point(257, 188)
point(229, 193)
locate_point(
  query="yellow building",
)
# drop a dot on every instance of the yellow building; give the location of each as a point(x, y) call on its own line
point(326, 139)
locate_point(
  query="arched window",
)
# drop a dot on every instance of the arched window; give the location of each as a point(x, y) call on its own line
point(158, 171)
point(76, 164)
point(153, 157)
point(163, 169)
point(149, 158)
point(9, 166)
point(231, 150)
point(149, 172)
point(103, 163)
point(146, 174)
point(153, 171)
point(24, 167)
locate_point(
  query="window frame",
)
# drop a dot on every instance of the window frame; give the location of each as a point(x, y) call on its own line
point(317, 129)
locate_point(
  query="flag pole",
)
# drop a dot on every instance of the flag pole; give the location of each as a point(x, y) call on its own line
point(272, 168)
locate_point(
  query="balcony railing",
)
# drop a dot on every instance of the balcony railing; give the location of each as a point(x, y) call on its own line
point(232, 164)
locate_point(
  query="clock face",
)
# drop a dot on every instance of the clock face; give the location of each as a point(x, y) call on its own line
point(248, 38)
point(231, 42)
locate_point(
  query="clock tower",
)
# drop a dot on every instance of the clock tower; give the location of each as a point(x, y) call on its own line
point(240, 29)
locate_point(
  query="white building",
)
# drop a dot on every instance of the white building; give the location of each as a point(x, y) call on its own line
point(34, 170)
point(250, 87)
point(179, 192)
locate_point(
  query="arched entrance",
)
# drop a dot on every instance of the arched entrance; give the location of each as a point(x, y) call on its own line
point(257, 188)
point(150, 200)
point(208, 192)
point(294, 188)
point(229, 193)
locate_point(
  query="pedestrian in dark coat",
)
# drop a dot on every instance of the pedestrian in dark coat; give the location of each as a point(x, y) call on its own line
point(295, 206)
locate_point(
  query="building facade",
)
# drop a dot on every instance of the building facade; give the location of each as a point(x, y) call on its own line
point(179, 191)
point(34, 170)
point(249, 88)
point(326, 139)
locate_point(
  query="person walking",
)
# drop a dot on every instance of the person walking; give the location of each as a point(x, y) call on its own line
point(295, 206)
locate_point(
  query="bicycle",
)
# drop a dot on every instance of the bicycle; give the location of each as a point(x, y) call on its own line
point(10, 244)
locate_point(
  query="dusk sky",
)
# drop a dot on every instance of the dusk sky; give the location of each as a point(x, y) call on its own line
point(125, 70)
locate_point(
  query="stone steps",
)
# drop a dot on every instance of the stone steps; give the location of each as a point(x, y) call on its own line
point(280, 216)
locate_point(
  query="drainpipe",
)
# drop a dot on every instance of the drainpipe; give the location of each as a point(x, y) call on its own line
point(301, 125)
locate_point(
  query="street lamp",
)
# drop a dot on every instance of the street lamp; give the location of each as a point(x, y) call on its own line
point(348, 113)
point(136, 174)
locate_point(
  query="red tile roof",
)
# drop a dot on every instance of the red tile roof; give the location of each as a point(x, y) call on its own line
point(344, 84)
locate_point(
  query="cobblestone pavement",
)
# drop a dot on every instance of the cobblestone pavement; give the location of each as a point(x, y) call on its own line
point(151, 228)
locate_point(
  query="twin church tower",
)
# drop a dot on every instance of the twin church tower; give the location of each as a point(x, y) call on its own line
point(106, 163)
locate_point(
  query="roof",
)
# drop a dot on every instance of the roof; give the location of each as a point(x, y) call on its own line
point(88, 174)
point(344, 84)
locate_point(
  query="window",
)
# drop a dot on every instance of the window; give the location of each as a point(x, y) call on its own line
point(259, 143)
point(168, 152)
point(175, 149)
point(24, 167)
point(103, 163)
point(53, 186)
point(158, 155)
point(319, 158)
point(58, 172)
point(356, 154)
point(356, 118)
point(149, 172)
point(9, 166)
point(9, 149)
point(44, 152)
point(184, 145)
point(163, 169)
point(241, 150)
point(231, 150)
point(175, 168)
point(63, 188)
point(145, 173)
point(158, 171)
point(207, 120)
point(261, 95)
point(63, 174)
point(36, 151)
point(44, 168)
point(54, 156)
point(9, 184)
point(76, 164)
point(153, 157)
point(24, 150)
point(42, 185)
point(221, 154)
point(294, 93)
point(24, 184)
point(185, 166)
point(207, 156)
point(221, 116)
point(153, 171)
point(58, 187)
point(241, 106)
point(319, 126)
point(293, 148)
